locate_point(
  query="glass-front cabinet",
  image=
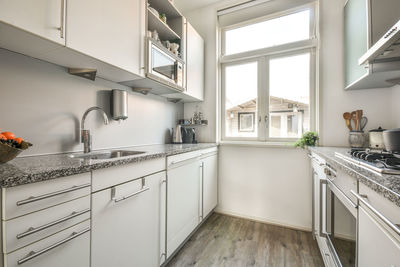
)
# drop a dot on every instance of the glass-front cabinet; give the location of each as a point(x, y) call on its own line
point(356, 39)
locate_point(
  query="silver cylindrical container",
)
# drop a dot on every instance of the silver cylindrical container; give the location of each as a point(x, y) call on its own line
point(119, 104)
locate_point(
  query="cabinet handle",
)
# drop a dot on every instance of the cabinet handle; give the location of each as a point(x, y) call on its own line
point(322, 182)
point(33, 230)
point(62, 19)
point(377, 213)
point(116, 200)
point(33, 254)
point(183, 160)
point(60, 192)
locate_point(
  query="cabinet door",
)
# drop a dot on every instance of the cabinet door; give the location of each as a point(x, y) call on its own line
point(183, 203)
point(110, 31)
point(376, 245)
point(126, 224)
point(210, 183)
point(44, 18)
point(356, 39)
point(194, 63)
point(315, 203)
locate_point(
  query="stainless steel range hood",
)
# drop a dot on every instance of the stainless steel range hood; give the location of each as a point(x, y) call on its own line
point(385, 49)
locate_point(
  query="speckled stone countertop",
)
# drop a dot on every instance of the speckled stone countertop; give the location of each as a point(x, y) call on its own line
point(385, 184)
point(25, 170)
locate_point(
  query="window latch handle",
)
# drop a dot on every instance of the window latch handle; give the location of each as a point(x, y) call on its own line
point(266, 121)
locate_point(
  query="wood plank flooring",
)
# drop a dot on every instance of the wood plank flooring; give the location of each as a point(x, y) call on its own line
point(228, 241)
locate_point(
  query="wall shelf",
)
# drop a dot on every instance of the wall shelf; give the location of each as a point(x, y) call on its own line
point(166, 7)
point(164, 31)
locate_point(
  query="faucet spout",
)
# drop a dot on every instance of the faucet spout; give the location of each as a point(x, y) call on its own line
point(86, 137)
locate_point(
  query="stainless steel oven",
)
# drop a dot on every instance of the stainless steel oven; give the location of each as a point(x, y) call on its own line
point(338, 219)
point(164, 66)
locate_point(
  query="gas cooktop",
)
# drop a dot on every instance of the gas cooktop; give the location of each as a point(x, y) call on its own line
point(377, 160)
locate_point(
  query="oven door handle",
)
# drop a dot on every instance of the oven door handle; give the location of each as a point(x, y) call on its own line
point(389, 223)
point(341, 196)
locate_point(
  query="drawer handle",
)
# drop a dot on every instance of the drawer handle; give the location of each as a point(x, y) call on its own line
point(116, 200)
point(183, 160)
point(60, 192)
point(377, 213)
point(33, 230)
point(33, 254)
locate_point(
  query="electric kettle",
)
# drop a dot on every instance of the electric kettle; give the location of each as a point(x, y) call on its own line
point(177, 135)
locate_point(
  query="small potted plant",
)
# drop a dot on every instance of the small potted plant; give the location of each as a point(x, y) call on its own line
point(308, 139)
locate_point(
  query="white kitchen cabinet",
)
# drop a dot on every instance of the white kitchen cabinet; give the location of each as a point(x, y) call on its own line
point(25, 199)
point(183, 200)
point(44, 18)
point(127, 224)
point(365, 22)
point(377, 245)
point(194, 63)
point(70, 247)
point(111, 31)
point(209, 182)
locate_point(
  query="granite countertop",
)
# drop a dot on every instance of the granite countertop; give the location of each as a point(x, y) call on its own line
point(25, 170)
point(385, 184)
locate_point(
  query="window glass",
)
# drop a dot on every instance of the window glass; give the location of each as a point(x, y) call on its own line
point(289, 96)
point(241, 85)
point(282, 30)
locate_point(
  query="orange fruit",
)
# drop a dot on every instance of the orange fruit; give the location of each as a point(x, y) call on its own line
point(19, 140)
point(2, 137)
point(9, 135)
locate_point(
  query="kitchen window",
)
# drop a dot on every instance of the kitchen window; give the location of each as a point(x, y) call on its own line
point(268, 77)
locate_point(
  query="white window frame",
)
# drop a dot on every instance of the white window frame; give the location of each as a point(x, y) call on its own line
point(262, 57)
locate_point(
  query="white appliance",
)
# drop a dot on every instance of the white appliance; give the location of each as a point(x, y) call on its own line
point(164, 66)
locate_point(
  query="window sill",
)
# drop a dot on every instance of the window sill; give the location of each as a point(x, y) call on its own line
point(288, 144)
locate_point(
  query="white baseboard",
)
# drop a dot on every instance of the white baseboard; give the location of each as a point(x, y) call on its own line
point(262, 220)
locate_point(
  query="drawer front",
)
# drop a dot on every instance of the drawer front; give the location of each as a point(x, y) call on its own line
point(318, 164)
point(106, 178)
point(70, 247)
point(345, 183)
point(27, 229)
point(206, 151)
point(383, 205)
point(181, 158)
point(24, 199)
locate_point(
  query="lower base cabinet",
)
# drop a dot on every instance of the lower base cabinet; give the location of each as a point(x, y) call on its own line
point(377, 246)
point(70, 247)
point(184, 203)
point(210, 182)
point(128, 224)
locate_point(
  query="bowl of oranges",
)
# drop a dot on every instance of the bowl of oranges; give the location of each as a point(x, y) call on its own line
point(11, 146)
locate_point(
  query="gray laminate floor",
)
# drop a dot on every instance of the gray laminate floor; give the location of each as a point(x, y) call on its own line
point(228, 241)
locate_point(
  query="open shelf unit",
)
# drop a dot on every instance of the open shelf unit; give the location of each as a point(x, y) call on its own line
point(164, 31)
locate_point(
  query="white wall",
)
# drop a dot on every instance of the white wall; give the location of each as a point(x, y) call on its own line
point(266, 184)
point(376, 103)
point(40, 102)
point(274, 184)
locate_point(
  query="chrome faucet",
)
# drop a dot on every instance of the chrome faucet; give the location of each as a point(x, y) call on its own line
point(86, 138)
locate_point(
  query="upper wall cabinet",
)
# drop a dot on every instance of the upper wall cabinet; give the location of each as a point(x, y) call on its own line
point(44, 18)
point(104, 35)
point(111, 31)
point(194, 63)
point(366, 21)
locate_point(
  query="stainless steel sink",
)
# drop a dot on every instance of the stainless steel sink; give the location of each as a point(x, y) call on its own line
point(112, 154)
